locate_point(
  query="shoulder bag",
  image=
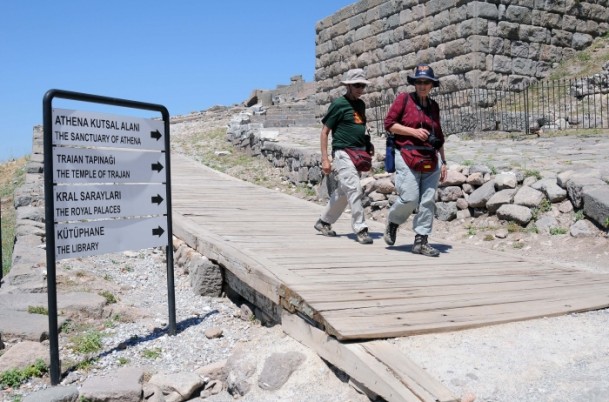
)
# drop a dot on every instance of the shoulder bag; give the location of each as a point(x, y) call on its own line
point(361, 159)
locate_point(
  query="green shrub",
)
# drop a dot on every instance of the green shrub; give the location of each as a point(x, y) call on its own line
point(545, 206)
point(86, 364)
point(557, 231)
point(13, 378)
point(533, 229)
point(88, 342)
point(513, 227)
point(532, 172)
point(112, 321)
point(37, 310)
point(110, 298)
point(151, 353)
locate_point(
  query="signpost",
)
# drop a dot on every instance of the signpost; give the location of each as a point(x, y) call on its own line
point(107, 189)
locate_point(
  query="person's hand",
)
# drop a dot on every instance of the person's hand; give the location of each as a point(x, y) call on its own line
point(421, 133)
point(326, 167)
point(443, 172)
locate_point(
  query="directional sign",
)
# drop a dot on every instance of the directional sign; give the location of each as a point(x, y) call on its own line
point(108, 236)
point(92, 165)
point(77, 202)
point(107, 187)
point(79, 128)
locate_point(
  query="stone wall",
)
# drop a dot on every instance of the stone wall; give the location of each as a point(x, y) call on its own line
point(298, 89)
point(470, 44)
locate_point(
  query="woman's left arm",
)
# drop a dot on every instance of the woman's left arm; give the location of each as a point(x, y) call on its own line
point(442, 156)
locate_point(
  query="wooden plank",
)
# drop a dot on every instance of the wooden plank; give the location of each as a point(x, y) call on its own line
point(364, 367)
point(349, 327)
point(417, 300)
point(451, 309)
point(320, 290)
point(318, 266)
point(416, 379)
point(407, 259)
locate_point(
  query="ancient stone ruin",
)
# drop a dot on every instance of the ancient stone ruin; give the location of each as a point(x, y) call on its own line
point(470, 44)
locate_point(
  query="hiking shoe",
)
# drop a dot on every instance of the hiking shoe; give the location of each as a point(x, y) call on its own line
point(325, 228)
point(390, 233)
point(422, 247)
point(363, 238)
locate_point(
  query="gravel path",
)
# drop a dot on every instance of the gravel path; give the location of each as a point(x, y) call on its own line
point(560, 359)
point(138, 280)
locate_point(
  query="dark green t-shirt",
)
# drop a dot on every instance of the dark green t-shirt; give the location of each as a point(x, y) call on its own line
point(347, 120)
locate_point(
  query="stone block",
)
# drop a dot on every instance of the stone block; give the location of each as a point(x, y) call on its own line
point(596, 204)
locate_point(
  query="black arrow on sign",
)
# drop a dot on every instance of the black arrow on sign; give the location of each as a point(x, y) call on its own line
point(157, 166)
point(155, 134)
point(158, 231)
point(156, 199)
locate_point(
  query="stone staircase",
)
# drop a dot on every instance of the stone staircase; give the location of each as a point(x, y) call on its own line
point(298, 114)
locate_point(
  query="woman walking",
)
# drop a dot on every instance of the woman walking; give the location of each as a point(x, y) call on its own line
point(414, 119)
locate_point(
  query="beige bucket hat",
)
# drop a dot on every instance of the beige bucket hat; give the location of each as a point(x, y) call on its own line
point(355, 76)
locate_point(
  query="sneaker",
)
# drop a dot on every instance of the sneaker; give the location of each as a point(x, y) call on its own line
point(363, 238)
point(390, 233)
point(422, 247)
point(325, 228)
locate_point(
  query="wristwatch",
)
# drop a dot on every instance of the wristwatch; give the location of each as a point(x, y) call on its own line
point(443, 162)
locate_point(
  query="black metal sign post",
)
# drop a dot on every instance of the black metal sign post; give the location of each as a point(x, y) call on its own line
point(115, 158)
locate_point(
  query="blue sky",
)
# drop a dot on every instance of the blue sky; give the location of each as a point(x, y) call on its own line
point(186, 55)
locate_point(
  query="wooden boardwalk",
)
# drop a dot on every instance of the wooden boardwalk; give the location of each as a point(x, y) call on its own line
point(363, 292)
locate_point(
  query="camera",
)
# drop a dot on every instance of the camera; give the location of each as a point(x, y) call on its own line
point(434, 141)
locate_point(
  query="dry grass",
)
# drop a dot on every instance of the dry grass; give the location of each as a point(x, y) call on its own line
point(585, 63)
point(12, 175)
point(210, 147)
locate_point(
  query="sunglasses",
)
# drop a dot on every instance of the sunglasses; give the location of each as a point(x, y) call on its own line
point(422, 82)
point(359, 85)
